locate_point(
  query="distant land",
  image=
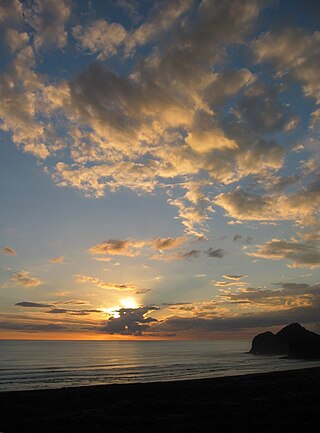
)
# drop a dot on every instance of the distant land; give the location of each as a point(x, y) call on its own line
point(293, 340)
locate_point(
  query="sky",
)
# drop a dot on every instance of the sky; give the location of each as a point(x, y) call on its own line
point(159, 168)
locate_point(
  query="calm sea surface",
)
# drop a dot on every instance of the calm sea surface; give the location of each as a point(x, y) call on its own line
point(56, 364)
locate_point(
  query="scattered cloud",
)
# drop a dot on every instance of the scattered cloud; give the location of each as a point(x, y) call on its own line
point(16, 40)
point(100, 37)
point(48, 19)
point(81, 278)
point(24, 279)
point(32, 304)
point(161, 244)
point(116, 247)
point(292, 50)
point(228, 283)
point(59, 260)
point(300, 254)
point(233, 277)
point(301, 206)
point(8, 251)
point(218, 253)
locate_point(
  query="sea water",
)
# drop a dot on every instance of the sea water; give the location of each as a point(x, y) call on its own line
point(26, 365)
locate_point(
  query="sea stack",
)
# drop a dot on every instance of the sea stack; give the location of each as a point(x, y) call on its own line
point(293, 340)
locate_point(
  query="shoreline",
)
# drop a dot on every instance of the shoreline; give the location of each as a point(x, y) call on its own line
point(263, 402)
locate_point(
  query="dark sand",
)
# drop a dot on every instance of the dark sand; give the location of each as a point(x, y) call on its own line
point(271, 402)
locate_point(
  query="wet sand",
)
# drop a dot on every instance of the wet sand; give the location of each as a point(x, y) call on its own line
point(269, 402)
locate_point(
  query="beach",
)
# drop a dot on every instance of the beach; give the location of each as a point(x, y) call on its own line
point(267, 402)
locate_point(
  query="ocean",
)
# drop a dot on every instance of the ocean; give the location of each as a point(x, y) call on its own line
point(26, 365)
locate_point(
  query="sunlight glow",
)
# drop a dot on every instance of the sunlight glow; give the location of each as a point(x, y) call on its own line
point(111, 311)
point(129, 302)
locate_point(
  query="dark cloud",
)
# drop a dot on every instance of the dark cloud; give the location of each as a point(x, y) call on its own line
point(142, 291)
point(249, 321)
point(175, 304)
point(32, 304)
point(72, 312)
point(246, 240)
point(260, 108)
point(218, 253)
point(131, 321)
point(31, 327)
point(293, 286)
point(190, 254)
point(167, 243)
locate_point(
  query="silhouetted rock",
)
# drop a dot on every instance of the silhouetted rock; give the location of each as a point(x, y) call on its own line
point(293, 340)
point(304, 349)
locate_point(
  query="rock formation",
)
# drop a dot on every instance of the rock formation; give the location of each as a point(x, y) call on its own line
point(293, 340)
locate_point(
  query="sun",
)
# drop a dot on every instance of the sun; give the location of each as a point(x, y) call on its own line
point(129, 302)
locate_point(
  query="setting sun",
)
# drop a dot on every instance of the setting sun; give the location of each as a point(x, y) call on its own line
point(129, 302)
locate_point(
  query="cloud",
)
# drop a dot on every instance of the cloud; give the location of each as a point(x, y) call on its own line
point(261, 110)
point(191, 254)
point(167, 243)
point(117, 247)
point(218, 253)
point(81, 278)
point(48, 18)
point(142, 291)
point(288, 296)
point(300, 254)
point(16, 40)
point(100, 37)
point(133, 247)
point(206, 136)
point(131, 7)
point(300, 206)
point(23, 278)
point(59, 260)
point(71, 302)
point(227, 83)
point(247, 240)
point(10, 11)
point(162, 18)
point(31, 327)
point(233, 277)
point(249, 321)
point(160, 113)
point(294, 286)
point(31, 304)
point(186, 255)
point(292, 50)
point(245, 206)
point(8, 251)
point(72, 312)
point(131, 321)
point(103, 259)
point(183, 255)
point(228, 283)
